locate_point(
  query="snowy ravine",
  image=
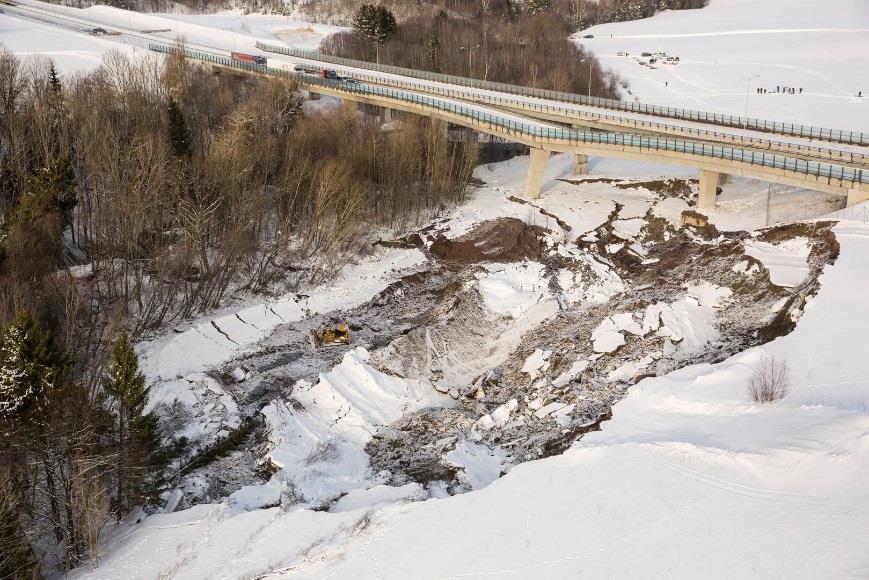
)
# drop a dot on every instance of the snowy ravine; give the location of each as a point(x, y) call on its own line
point(689, 479)
point(461, 370)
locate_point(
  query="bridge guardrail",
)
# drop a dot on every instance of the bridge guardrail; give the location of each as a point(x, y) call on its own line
point(511, 126)
point(796, 130)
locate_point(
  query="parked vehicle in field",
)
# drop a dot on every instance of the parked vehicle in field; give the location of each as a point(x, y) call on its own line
point(99, 31)
point(589, 36)
point(653, 60)
point(621, 53)
point(645, 54)
point(249, 58)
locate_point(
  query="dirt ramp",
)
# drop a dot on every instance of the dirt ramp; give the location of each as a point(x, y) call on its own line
point(501, 240)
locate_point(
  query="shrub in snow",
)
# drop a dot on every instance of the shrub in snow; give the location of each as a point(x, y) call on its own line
point(770, 381)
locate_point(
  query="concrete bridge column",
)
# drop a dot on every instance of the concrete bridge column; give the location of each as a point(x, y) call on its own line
point(539, 157)
point(387, 115)
point(313, 96)
point(708, 189)
point(856, 196)
point(580, 164)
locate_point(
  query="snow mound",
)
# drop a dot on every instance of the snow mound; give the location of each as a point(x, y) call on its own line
point(787, 261)
point(318, 439)
point(512, 289)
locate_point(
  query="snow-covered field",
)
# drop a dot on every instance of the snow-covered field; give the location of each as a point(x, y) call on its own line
point(817, 46)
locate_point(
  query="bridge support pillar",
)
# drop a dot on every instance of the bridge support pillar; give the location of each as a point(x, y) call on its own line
point(708, 189)
point(580, 164)
point(313, 96)
point(856, 196)
point(539, 157)
point(387, 115)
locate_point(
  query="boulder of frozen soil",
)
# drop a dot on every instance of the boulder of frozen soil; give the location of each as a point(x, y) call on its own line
point(501, 240)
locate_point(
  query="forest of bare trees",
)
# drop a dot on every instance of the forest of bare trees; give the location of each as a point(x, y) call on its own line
point(531, 50)
point(134, 197)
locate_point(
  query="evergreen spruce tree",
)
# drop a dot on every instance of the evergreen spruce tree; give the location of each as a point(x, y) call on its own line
point(54, 79)
point(136, 431)
point(384, 24)
point(363, 20)
point(31, 364)
point(376, 23)
point(179, 135)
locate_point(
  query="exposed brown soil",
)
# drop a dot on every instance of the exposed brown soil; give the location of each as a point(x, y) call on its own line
point(501, 240)
point(580, 180)
point(666, 187)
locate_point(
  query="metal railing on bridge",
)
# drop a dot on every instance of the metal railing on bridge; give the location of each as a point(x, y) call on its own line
point(498, 99)
point(796, 130)
point(507, 124)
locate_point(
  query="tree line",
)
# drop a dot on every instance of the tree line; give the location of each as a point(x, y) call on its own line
point(522, 48)
point(138, 195)
point(578, 13)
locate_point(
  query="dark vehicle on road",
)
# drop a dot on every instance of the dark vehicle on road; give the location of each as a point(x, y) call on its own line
point(349, 81)
point(327, 73)
point(249, 58)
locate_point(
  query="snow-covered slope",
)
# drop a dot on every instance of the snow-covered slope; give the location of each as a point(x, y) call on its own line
point(689, 479)
point(817, 46)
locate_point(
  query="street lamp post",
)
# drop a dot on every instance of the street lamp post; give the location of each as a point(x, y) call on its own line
point(470, 50)
point(590, 63)
point(747, 89)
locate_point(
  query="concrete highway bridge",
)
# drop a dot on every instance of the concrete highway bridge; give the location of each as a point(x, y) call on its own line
point(818, 159)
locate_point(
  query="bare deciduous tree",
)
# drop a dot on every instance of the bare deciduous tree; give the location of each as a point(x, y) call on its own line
point(770, 380)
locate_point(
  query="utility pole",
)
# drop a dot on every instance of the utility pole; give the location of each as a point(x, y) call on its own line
point(747, 89)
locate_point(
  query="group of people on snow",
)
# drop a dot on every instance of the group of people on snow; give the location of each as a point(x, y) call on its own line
point(782, 89)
